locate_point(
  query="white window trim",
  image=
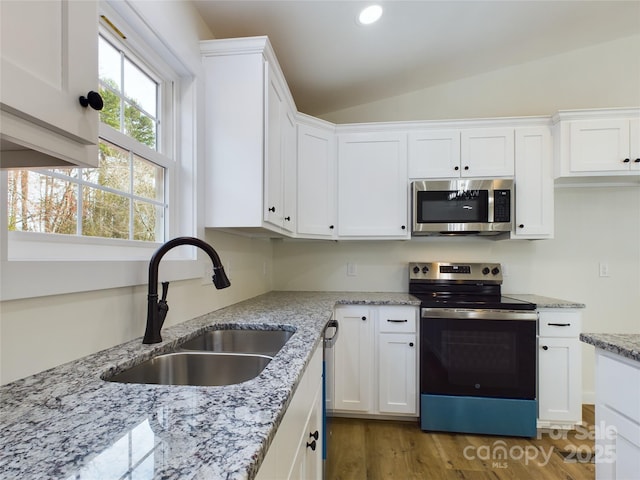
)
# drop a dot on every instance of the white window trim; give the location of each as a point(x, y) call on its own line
point(20, 278)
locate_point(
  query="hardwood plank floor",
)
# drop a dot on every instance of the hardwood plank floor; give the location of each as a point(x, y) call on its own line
point(386, 450)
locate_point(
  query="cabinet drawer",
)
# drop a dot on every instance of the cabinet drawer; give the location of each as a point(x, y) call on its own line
point(555, 323)
point(397, 319)
point(618, 384)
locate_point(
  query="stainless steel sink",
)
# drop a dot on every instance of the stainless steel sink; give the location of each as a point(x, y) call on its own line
point(264, 342)
point(195, 368)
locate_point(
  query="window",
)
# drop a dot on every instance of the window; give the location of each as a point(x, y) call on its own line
point(124, 198)
point(98, 228)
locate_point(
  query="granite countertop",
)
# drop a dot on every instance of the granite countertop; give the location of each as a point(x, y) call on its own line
point(67, 423)
point(623, 344)
point(545, 302)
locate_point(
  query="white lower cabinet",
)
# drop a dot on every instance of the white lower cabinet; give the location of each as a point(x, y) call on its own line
point(617, 417)
point(559, 368)
point(296, 450)
point(376, 358)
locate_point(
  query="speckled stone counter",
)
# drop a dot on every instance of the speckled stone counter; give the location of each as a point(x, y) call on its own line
point(68, 423)
point(545, 302)
point(623, 344)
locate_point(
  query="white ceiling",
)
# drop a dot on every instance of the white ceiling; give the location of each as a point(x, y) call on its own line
point(331, 62)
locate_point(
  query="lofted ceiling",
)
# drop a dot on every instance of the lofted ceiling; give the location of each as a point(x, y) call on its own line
point(331, 62)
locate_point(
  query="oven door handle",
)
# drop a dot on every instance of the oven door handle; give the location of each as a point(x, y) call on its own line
point(478, 314)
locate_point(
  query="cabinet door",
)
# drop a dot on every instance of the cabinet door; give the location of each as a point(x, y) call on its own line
point(316, 181)
point(354, 360)
point(397, 383)
point(634, 138)
point(50, 59)
point(434, 154)
point(533, 183)
point(487, 152)
point(273, 162)
point(599, 145)
point(372, 185)
point(289, 165)
point(559, 382)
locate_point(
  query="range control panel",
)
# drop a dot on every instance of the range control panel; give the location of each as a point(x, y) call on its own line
point(463, 272)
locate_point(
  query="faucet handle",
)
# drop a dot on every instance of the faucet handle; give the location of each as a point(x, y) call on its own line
point(163, 307)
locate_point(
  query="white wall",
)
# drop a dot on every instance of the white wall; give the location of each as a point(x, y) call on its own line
point(592, 225)
point(43, 332)
point(604, 75)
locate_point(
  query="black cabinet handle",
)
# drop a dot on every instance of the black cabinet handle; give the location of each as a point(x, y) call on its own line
point(404, 227)
point(312, 445)
point(521, 225)
point(314, 435)
point(559, 324)
point(272, 209)
point(397, 321)
point(544, 347)
point(288, 219)
point(330, 227)
point(411, 344)
point(364, 318)
point(93, 100)
point(466, 167)
point(637, 160)
point(456, 168)
point(626, 160)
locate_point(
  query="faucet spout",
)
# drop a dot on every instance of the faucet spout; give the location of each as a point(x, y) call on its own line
point(157, 310)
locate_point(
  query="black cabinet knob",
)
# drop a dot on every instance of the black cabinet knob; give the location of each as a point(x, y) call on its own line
point(272, 209)
point(314, 435)
point(626, 160)
point(288, 219)
point(93, 100)
point(404, 227)
point(364, 318)
point(544, 347)
point(637, 160)
point(466, 167)
point(456, 168)
point(330, 227)
point(411, 344)
point(521, 225)
point(312, 445)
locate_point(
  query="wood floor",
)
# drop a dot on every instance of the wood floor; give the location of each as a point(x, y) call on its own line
point(386, 450)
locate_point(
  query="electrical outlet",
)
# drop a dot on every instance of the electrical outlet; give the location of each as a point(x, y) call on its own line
point(604, 269)
point(352, 269)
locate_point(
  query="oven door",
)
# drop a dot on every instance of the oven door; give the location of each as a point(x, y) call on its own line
point(478, 353)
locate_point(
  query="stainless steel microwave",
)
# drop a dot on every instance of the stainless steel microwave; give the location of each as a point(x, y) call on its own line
point(462, 207)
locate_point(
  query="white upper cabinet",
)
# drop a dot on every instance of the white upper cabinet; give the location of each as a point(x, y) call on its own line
point(316, 178)
point(49, 60)
point(280, 157)
point(250, 141)
point(533, 183)
point(466, 153)
point(598, 143)
point(373, 196)
point(487, 152)
point(434, 154)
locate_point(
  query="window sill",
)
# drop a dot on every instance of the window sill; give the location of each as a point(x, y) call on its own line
point(36, 268)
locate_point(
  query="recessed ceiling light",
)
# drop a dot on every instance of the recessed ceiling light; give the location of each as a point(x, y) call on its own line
point(370, 15)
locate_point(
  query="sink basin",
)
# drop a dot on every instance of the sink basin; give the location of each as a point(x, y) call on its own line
point(195, 368)
point(263, 342)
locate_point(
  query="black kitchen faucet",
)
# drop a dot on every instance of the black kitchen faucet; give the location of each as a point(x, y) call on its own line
point(157, 310)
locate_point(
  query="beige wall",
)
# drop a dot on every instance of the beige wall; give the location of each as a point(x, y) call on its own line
point(40, 333)
point(605, 75)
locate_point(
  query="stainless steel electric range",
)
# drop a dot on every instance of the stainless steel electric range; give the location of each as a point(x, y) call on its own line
point(477, 351)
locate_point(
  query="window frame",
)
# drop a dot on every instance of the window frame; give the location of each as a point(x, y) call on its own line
point(33, 264)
